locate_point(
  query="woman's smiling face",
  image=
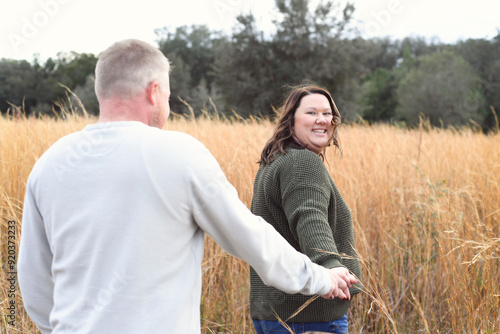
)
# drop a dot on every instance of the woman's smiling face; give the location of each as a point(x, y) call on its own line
point(313, 122)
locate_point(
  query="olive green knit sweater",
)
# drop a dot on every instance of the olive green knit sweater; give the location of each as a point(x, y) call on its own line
point(296, 194)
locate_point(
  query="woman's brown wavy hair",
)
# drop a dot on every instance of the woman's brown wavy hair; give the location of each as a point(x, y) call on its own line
point(283, 133)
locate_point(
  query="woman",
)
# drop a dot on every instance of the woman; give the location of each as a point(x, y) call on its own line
point(294, 192)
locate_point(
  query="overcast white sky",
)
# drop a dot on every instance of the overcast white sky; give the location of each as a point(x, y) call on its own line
point(46, 27)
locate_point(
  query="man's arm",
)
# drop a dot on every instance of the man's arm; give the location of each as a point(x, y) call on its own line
point(220, 213)
point(34, 265)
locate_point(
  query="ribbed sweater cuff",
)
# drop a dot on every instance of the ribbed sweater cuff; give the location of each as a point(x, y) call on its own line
point(332, 263)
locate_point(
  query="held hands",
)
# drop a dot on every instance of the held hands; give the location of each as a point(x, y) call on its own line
point(342, 280)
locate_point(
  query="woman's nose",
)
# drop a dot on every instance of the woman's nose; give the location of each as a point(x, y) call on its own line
point(321, 119)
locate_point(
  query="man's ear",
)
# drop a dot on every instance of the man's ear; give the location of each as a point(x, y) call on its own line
point(152, 92)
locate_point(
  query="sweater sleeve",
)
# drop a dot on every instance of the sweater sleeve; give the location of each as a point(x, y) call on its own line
point(306, 198)
point(220, 213)
point(34, 265)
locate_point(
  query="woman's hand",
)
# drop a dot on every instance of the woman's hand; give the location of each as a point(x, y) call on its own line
point(342, 280)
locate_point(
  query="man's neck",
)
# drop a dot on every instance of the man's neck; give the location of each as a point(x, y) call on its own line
point(115, 110)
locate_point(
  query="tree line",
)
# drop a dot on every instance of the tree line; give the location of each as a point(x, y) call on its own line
point(248, 71)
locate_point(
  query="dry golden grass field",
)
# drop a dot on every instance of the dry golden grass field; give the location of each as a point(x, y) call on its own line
point(425, 203)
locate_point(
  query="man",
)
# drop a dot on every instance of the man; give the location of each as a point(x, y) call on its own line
point(115, 215)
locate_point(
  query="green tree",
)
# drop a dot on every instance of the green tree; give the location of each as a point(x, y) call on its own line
point(72, 69)
point(68, 69)
point(311, 45)
point(381, 53)
point(191, 52)
point(484, 56)
point(17, 84)
point(86, 94)
point(379, 96)
point(444, 88)
point(245, 70)
point(308, 45)
point(418, 46)
point(378, 93)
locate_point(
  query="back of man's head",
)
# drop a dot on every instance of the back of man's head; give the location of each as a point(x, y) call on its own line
point(127, 67)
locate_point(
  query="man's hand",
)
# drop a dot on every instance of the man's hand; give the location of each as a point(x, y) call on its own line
point(342, 280)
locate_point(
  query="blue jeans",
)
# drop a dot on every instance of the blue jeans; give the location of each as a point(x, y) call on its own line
point(339, 326)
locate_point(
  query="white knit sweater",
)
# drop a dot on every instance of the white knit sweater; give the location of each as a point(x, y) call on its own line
point(113, 233)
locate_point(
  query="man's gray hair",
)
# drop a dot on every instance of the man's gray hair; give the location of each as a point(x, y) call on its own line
point(127, 67)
